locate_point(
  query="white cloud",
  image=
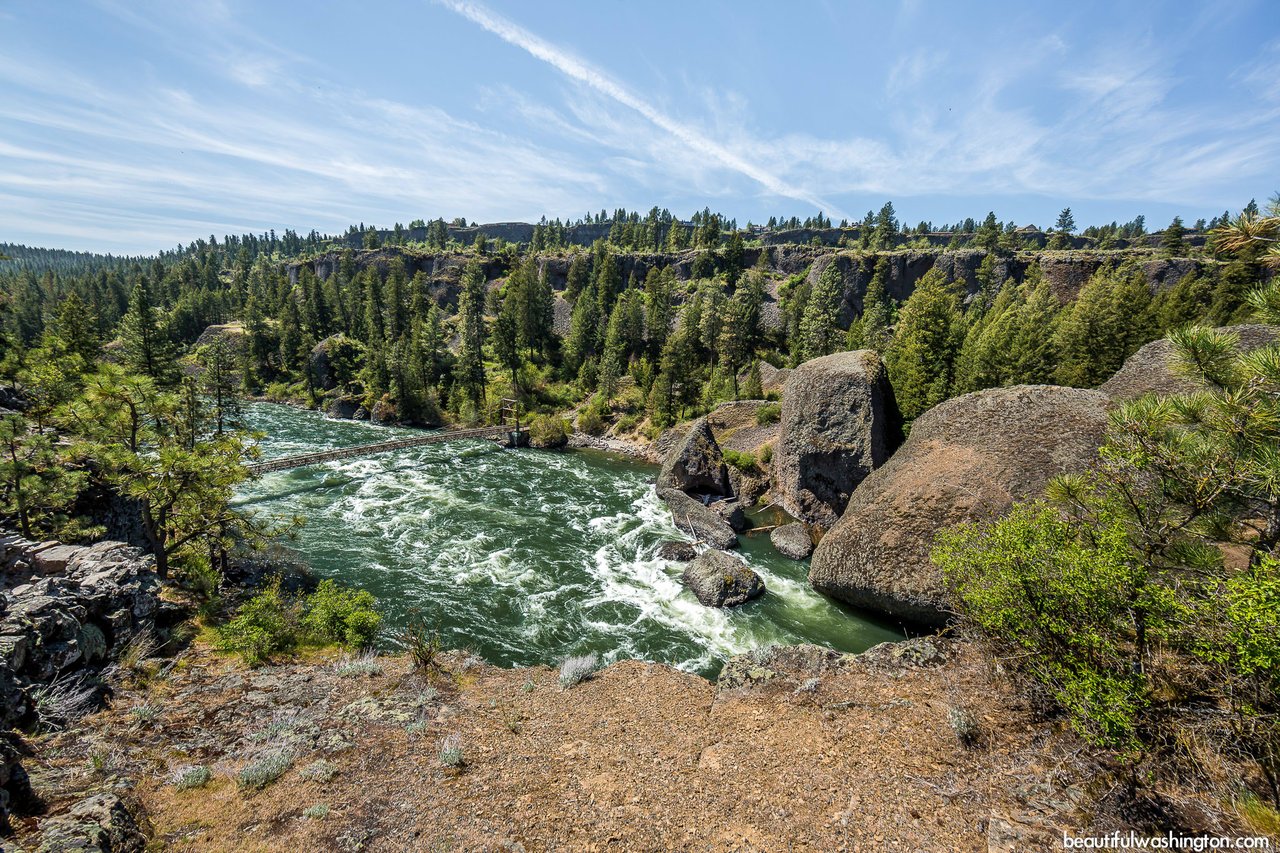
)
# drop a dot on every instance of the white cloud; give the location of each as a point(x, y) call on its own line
point(587, 74)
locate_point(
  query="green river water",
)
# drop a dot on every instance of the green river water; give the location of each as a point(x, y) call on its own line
point(525, 556)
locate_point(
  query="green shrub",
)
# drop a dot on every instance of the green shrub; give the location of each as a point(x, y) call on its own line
point(548, 431)
point(335, 614)
point(267, 624)
point(741, 461)
point(628, 422)
point(766, 454)
point(272, 622)
point(591, 420)
point(1069, 634)
point(769, 414)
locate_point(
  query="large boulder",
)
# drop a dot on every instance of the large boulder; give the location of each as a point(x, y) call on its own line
point(1149, 370)
point(839, 423)
point(695, 464)
point(967, 459)
point(722, 580)
point(792, 540)
point(699, 521)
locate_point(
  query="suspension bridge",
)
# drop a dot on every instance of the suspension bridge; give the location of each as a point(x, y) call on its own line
point(507, 430)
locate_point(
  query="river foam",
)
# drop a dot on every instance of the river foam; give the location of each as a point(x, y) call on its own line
point(525, 556)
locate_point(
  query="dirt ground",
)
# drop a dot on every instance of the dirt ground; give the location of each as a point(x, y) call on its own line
point(864, 755)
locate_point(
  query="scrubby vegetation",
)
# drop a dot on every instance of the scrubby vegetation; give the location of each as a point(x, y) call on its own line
point(272, 621)
point(1144, 599)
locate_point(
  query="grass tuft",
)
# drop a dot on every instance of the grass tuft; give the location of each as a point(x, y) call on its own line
point(319, 771)
point(578, 669)
point(364, 665)
point(190, 776)
point(451, 751)
point(264, 770)
point(319, 811)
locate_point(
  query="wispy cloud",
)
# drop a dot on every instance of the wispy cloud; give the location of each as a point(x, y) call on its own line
point(597, 79)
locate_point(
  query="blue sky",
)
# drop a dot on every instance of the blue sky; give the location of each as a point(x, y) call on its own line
point(133, 126)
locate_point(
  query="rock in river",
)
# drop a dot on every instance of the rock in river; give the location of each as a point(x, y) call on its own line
point(722, 580)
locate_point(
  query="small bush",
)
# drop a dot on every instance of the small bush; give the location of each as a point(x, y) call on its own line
point(422, 643)
point(319, 811)
point(145, 713)
point(548, 431)
point(741, 461)
point(766, 454)
point(341, 615)
point(191, 776)
point(451, 751)
point(140, 646)
point(261, 772)
point(591, 420)
point(267, 624)
point(577, 669)
point(319, 771)
point(769, 414)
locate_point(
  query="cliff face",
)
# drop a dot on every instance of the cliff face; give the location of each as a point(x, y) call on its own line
point(1066, 271)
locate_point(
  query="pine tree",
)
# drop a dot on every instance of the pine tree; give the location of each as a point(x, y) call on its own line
point(505, 337)
point(819, 333)
point(1185, 304)
point(374, 328)
point(577, 279)
point(753, 388)
point(657, 308)
point(876, 310)
point(39, 488)
point(470, 370)
point(1108, 321)
point(220, 382)
point(1172, 243)
point(886, 227)
point(147, 347)
point(77, 330)
point(920, 359)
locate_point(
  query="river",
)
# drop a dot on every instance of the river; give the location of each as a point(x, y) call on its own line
point(525, 556)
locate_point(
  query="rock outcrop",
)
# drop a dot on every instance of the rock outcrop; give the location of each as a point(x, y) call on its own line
point(98, 824)
point(967, 459)
point(699, 521)
point(722, 580)
point(1149, 370)
point(792, 540)
point(67, 608)
point(695, 464)
point(839, 423)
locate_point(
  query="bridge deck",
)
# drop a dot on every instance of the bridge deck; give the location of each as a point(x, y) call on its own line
point(287, 462)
